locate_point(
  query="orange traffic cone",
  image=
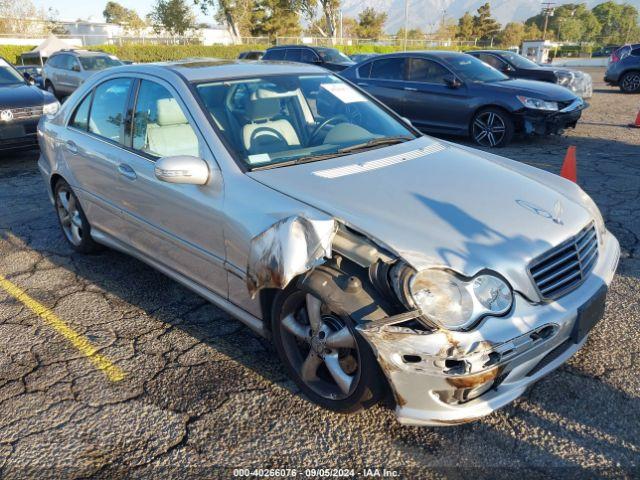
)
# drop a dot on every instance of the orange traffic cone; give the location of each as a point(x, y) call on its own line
point(569, 168)
point(637, 124)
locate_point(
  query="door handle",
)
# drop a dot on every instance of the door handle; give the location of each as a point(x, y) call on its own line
point(410, 89)
point(126, 171)
point(71, 147)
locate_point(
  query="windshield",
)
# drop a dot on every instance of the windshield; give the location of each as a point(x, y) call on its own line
point(474, 70)
point(277, 120)
point(333, 56)
point(518, 60)
point(9, 75)
point(98, 62)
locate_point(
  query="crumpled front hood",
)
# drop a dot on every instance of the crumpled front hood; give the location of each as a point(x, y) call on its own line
point(446, 206)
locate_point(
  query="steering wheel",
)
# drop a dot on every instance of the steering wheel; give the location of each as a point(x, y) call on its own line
point(324, 124)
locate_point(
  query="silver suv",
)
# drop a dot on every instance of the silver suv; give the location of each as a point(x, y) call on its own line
point(66, 70)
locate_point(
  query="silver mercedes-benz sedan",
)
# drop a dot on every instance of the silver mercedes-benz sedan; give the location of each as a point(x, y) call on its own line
point(384, 264)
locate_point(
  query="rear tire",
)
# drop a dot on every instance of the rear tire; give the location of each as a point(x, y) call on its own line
point(630, 82)
point(72, 220)
point(344, 376)
point(492, 127)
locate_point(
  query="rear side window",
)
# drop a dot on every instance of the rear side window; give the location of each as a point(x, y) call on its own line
point(274, 54)
point(388, 69)
point(492, 60)
point(635, 52)
point(160, 127)
point(108, 109)
point(309, 56)
point(293, 55)
point(80, 118)
point(365, 70)
point(422, 70)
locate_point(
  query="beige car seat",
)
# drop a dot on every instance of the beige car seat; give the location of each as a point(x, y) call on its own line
point(172, 135)
point(264, 133)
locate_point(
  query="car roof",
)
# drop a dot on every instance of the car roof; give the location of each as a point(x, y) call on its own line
point(84, 53)
point(490, 51)
point(206, 69)
point(444, 54)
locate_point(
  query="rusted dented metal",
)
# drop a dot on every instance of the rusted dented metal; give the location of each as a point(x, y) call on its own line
point(286, 249)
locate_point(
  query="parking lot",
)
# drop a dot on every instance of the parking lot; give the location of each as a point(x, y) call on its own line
point(178, 387)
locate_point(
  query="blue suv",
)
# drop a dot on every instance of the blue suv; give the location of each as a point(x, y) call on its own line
point(624, 69)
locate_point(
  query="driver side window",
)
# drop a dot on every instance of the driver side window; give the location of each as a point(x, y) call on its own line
point(160, 127)
point(492, 60)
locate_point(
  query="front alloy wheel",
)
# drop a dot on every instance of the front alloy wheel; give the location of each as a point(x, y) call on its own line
point(492, 128)
point(322, 353)
point(73, 221)
point(630, 82)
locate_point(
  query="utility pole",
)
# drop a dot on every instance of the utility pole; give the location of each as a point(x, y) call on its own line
point(547, 11)
point(406, 24)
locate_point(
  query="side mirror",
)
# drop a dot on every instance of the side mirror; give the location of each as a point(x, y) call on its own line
point(507, 68)
point(452, 81)
point(182, 169)
point(75, 68)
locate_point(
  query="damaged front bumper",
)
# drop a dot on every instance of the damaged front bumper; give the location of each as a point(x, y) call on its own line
point(445, 377)
point(542, 122)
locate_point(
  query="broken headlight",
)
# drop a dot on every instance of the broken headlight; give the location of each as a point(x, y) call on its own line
point(455, 302)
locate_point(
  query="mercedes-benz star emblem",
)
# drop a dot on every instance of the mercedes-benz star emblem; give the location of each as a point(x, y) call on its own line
point(6, 115)
point(555, 216)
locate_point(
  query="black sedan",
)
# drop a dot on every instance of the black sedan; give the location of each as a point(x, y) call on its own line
point(517, 66)
point(455, 93)
point(21, 106)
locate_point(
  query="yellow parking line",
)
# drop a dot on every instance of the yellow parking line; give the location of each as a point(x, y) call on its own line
point(113, 372)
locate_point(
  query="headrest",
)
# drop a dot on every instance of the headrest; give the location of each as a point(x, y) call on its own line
point(170, 113)
point(261, 106)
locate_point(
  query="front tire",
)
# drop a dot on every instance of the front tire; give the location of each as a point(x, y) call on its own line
point(492, 127)
point(72, 220)
point(630, 82)
point(322, 352)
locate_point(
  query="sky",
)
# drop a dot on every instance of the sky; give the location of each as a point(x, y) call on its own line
point(84, 9)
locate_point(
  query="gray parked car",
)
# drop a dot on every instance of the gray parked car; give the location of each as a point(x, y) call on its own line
point(382, 263)
point(66, 70)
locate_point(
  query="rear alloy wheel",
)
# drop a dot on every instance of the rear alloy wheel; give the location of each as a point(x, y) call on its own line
point(492, 127)
point(328, 360)
point(630, 82)
point(72, 219)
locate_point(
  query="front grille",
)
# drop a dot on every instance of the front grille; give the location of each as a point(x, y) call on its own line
point(26, 113)
point(566, 266)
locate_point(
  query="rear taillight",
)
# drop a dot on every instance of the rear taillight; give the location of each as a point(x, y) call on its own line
point(614, 58)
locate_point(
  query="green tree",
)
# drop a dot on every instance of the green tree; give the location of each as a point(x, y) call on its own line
point(412, 34)
point(236, 15)
point(371, 23)
point(532, 32)
point(512, 35)
point(484, 25)
point(274, 18)
point(619, 21)
point(116, 13)
point(174, 16)
point(465, 27)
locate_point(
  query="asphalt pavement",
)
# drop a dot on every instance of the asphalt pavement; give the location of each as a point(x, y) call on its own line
point(177, 388)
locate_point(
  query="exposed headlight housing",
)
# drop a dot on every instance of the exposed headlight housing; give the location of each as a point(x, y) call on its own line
point(456, 303)
point(564, 78)
point(537, 103)
point(51, 108)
